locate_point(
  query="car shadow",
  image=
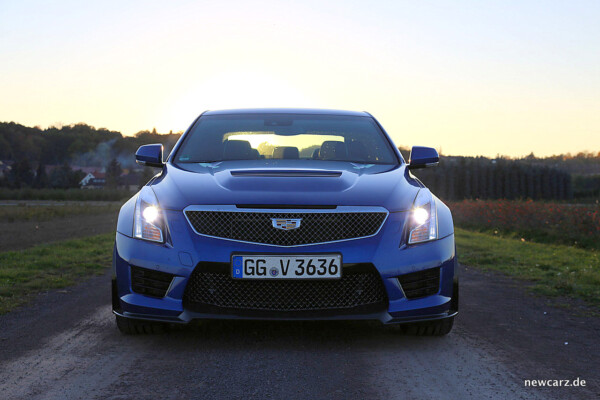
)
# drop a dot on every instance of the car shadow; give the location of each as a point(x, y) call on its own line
point(228, 334)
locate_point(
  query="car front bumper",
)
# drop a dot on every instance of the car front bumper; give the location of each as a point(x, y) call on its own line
point(384, 251)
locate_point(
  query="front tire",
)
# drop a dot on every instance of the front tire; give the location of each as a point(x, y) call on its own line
point(130, 326)
point(440, 327)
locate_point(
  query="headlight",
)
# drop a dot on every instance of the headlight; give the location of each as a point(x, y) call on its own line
point(423, 218)
point(149, 222)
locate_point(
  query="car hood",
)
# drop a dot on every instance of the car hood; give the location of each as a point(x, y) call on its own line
point(285, 182)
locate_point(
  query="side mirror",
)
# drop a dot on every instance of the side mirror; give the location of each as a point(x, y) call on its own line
point(423, 157)
point(150, 155)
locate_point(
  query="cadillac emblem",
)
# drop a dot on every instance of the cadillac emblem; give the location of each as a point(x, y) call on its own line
point(286, 224)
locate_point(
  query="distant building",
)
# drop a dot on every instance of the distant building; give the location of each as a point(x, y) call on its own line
point(5, 167)
point(93, 180)
point(86, 179)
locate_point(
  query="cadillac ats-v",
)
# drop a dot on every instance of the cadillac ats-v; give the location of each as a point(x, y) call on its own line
point(285, 214)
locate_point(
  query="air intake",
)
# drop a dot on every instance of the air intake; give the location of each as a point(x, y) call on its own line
point(421, 283)
point(150, 282)
point(288, 173)
point(211, 289)
point(287, 206)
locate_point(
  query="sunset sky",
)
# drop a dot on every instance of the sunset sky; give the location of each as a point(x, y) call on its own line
point(469, 77)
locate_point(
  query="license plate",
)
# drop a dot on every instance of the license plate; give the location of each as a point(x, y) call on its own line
point(287, 267)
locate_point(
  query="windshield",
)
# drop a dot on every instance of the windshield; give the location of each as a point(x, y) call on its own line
point(285, 136)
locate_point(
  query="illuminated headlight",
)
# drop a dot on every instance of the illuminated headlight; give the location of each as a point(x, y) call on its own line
point(420, 215)
point(423, 219)
point(149, 222)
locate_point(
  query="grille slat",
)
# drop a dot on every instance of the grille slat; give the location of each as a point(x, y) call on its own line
point(150, 282)
point(257, 227)
point(212, 287)
point(421, 283)
point(431, 282)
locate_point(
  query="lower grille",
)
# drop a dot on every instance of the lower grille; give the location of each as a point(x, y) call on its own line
point(421, 283)
point(150, 282)
point(212, 289)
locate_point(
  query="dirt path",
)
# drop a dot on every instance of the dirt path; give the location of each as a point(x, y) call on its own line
point(23, 234)
point(65, 346)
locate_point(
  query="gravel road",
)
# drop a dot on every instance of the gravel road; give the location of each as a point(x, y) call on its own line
point(66, 346)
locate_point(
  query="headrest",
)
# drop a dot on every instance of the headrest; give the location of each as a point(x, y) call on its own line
point(286, 152)
point(333, 150)
point(237, 150)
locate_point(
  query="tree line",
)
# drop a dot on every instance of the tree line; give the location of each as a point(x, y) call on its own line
point(459, 178)
point(23, 175)
point(30, 149)
point(78, 144)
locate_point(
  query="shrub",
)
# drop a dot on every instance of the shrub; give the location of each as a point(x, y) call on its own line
point(571, 224)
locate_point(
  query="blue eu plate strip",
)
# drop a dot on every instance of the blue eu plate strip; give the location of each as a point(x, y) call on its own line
point(238, 271)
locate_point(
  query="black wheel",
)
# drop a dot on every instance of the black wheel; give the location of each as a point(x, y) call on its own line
point(430, 328)
point(129, 326)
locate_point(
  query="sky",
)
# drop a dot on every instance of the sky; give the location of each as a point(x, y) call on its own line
point(466, 77)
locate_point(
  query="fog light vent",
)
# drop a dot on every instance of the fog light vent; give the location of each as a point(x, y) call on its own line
point(150, 282)
point(421, 283)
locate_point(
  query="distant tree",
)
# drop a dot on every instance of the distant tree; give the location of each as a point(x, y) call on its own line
point(569, 186)
point(405, 151)
point(475, 179)
point(65, 178)
point(113, 174)
point(265, 148)
point(58, 180)
point(41, 178)
point(145, 175)
point(21, 174)
point(460, 190)
point(307, 152)
point(5, 148)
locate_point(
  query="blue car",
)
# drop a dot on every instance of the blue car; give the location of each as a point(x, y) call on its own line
point(285, 214)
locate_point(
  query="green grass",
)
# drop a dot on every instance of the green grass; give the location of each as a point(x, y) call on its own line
point(51, 266)
point(554, 270)
point(23, 212)
point(65, 194)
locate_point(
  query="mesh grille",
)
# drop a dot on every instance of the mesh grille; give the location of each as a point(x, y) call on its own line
point(421, 283)
point(211, 284)
point(257, 227)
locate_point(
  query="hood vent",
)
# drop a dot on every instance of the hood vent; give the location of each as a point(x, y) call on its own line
point(287, 207)
point(288, 173)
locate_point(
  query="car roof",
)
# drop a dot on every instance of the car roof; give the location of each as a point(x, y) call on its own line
point(301, 111)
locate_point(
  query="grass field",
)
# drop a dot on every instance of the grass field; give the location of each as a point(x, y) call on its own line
point(22, 212)
point(65, 194)
point(553, 269)
point(51, 266)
